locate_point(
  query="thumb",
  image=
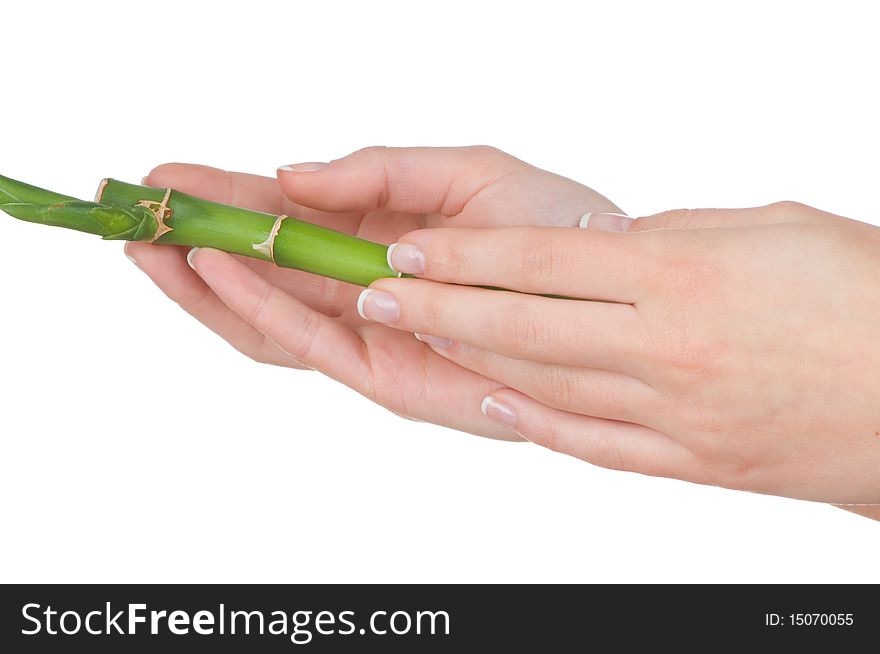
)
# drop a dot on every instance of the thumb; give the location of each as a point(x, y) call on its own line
point(777, 213)
point(412, 180)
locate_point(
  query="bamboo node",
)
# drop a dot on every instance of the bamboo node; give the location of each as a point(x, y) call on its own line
point(267, 247)
point(161, 212)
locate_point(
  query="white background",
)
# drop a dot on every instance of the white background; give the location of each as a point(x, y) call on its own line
point(137, 446)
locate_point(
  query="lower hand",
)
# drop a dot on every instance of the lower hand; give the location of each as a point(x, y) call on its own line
point(290, 318)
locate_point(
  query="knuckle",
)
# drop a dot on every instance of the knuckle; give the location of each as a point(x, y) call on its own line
point(695, 358)
point(692, 274)
point(299, 343)
point(331, 292)
point(387, 385)
point(549, 434)
point(703, 419)
point(522, 331)
point(425, 315)
point(605, 399)
point(375, 159)
point(443, 258)
point(370, 153)
point(608, 452)
point(258, 348)
point(729, 462)
point(537, 260)
point(676, 218)
point(487, 152)
point(254, 351)
point(736, 471)
point(193, 303)
point(786, 208)
point(557, 385)
point(256, 311)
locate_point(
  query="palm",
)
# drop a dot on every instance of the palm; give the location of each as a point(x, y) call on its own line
point(387, 365)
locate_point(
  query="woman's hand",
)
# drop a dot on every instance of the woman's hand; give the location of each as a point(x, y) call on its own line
point(294, 319)
point(738, 348)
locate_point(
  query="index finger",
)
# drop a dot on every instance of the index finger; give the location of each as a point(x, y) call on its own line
point(239, 189)
point(589, 264)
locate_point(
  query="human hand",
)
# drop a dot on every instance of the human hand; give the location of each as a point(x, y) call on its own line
point(738, 348)
point(290, 318)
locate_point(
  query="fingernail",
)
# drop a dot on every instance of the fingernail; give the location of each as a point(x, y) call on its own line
point(499, 411)
point(189, 257)
point(610, 222)
point(434, 341)
point(406, 258)
point(129, 255)
point(307, 167)
point(378, 306)
point(144, 180)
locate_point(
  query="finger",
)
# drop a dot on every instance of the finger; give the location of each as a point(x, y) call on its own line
point(588, 391)
point(414, 382)
point(260, 194)
point(372, 366)
point(605, 443)
point(411, 180)
point(322, 294)
point(308, 336)
point(590, 334)
point(238, 189)
point(777, 213)
point(546, 260)
point(166, 266)
point(242, 190)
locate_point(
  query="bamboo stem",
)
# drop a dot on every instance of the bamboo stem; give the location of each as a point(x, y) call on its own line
point(132, 212)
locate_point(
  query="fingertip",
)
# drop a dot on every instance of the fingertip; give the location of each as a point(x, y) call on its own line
point(164, 172)
point(190, 257)
point(137, 250)
point(301, 187)
point(129, 253)
point(422, 238)
point(163, 168)
point(189, 178)
point(307, 167)
point(495, 408)
point(201, 257)
point(405, 258)
point(364, 294)
point(611, 222)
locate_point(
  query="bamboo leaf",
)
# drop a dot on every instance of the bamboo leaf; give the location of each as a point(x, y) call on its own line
point(12, 190)
point(109, 222)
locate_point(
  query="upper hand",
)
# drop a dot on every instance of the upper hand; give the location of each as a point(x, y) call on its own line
point(730, 347)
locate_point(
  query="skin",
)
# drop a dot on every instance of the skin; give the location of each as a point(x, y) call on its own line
point(730, 347)
point(294, 319)
point(721, 346)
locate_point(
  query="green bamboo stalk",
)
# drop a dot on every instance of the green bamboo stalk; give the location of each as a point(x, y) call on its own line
point(132, 212)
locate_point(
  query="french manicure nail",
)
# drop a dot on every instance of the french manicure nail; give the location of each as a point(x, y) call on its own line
point(499, 411)
point(434, 341)
point(190, 255)
point(307, 167)
point(406, 258)
point(610, 222)
point(378, 306)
